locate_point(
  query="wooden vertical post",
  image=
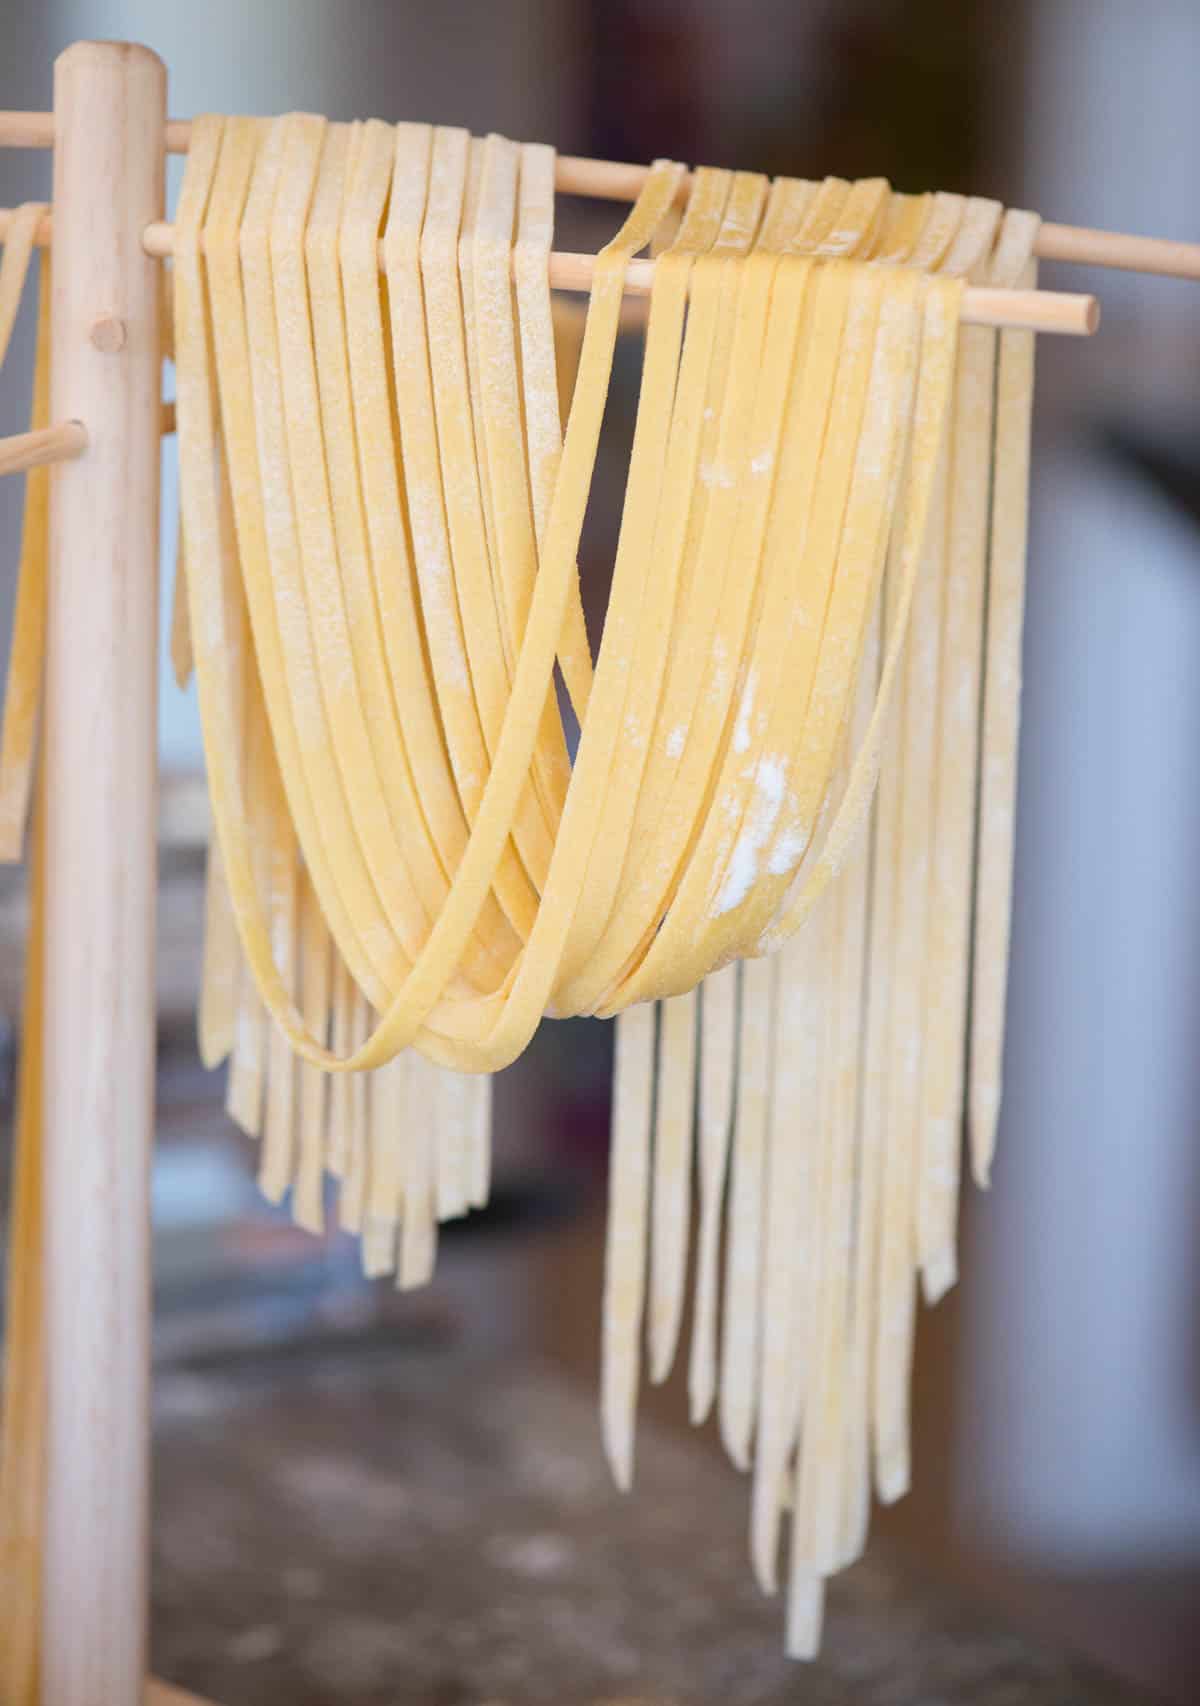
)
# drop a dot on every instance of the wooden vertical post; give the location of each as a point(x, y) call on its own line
point(110, 126)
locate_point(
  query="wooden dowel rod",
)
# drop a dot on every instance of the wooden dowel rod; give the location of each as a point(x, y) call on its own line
point(1033, 310)
point(44, 227)
point(36, 130)
point(25, 450)
point(1038, 311)
point(100, 762)
point(620, 181)
point(1115, 249)
point(614, 180)
point(602, 180)
point(1064, 311)
point(38, 449)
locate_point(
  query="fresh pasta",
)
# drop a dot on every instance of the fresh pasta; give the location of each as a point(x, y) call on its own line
point(780, 854)
point(22, 1397)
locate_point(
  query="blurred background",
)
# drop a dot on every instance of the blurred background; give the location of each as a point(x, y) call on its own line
point(1057, 1472)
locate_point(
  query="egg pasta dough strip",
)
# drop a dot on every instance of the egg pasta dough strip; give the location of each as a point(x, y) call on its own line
point(23, 683)
point(316, 999)
point(423, 487)
point(437, 806)
point(952, 853)
point(224, 981)
point(505, 443)
point(410, 578)
point(542, 388)
point(674, 375)
point(674, 542)
point(668, 434)
point(822, 1094)
point(790, 1228)
point(714, 609)
point(454, 923)
point(22, 1392)
point(304, 533)
point(667, 961)
point(672, 1143)
point(689, 716)
point(1002, 699)
point(719, 995)
point(475, 564)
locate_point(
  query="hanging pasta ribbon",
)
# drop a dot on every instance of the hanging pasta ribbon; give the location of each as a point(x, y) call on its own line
point(397, 825)
point(22, 1390)
point(376, 582)
point(23, 685)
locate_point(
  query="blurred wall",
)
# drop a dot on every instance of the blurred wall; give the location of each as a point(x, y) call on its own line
point(1080, 1436)
point(507, 65)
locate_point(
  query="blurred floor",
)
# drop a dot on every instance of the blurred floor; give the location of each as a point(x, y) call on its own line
point(364, 1496)
point(263, 1334)
point(419, 1522)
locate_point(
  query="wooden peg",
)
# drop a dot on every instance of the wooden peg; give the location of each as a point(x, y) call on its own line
point(38, 449)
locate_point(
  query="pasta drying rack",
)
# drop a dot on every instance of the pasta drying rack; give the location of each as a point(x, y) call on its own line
point(110, 134)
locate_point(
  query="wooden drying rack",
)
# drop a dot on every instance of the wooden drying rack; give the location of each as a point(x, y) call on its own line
point(109, 133)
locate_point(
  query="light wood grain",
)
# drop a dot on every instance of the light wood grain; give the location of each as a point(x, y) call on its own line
point(615, 180)
point(1031, 310)
point(25, 450)
point(36, 130)
point(100, 759)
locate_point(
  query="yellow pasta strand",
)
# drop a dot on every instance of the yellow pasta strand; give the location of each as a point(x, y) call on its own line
point(507, 452)
point(713, 305)
point(625, 1251)
point(719, 996)
point(316, 999)
point(389, 1092)
point(741, 1326)
point(791, 1226)
point(672, 1175)
point(180, 638)
point(22, 1395)
point(418, 1238)
point(220, 969)
point(437, 809)
point(824, 1469)
point(546, 407)
point(1002, 697)
point(452, 1140)
point(352, 1198)
point(440, 606)
point(382, 518)
point(342, 1009)
point(23, 686)
point(955, 784)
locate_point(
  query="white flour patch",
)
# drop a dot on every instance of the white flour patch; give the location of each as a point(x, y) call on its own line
point(741, 729)
point(739, 876)
point(787, 852)
point(675, 741)
point(716, 474)
point(770, 786)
